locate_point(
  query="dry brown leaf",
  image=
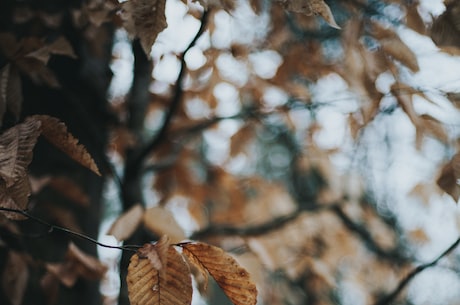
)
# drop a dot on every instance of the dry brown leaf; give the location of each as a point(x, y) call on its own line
point(15, 276)
point(56, 133)
point(229, 275)
point(450, 175)
point(15, 197)
point(161, 222)
point(145, 19)
point(413, 19)
point(127, 223)
point(16, 145)
point(148, 286)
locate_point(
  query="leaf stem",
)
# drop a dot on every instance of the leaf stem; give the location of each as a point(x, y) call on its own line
point(52, 227)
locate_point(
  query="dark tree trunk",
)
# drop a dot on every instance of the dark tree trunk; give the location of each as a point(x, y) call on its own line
point(80, 102)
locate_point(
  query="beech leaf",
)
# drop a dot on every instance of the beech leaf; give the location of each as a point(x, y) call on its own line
point(145, 19)
point(56, 133)
point(16, 145)
point(148, 286)
point(233, 279)
point(127, 223)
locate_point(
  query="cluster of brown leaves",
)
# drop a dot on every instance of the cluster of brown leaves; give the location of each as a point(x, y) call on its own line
point(159, 274)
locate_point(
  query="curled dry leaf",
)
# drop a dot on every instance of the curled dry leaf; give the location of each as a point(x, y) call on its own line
point(69, 189)
point(145, 19)
point(127, 223)
point(229, 275)
point(56, 133)
point(148, 286)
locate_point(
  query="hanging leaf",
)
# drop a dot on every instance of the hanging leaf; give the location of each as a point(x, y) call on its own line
point(450, 175)
point(158, 275)
point(56, 133)
point(127, 223)
point(229, 275)
point(145, 19)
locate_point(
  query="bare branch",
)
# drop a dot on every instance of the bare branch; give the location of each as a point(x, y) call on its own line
point(403, 283)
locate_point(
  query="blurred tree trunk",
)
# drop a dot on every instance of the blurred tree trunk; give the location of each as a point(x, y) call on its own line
point(80, 102)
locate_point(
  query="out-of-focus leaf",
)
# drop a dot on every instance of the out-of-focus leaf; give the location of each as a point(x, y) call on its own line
point(158, 275)
point(394, 46)
point(76, 264)
point(56, 133)
point(14, 278)
point(69, 189)
point(445, 30)
point(145, 19)
point(161, 222)
point(127, 223)
point(229, 275)
point(448, 181)
point(310, 7)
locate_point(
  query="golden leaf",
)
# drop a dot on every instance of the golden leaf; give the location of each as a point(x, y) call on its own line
point(127, 223)
point(145, 19)
point(148, 286)
point(56, 133)
point(229, 275)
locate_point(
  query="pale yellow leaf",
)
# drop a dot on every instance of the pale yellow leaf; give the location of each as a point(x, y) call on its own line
point(56, 133)
point(127, 223)
point(233, 279)
point(148, 286)
point(161, 222)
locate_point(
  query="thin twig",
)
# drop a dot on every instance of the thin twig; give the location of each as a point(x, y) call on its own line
point(403, 283)
point(52, 228)
point(137, 162)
